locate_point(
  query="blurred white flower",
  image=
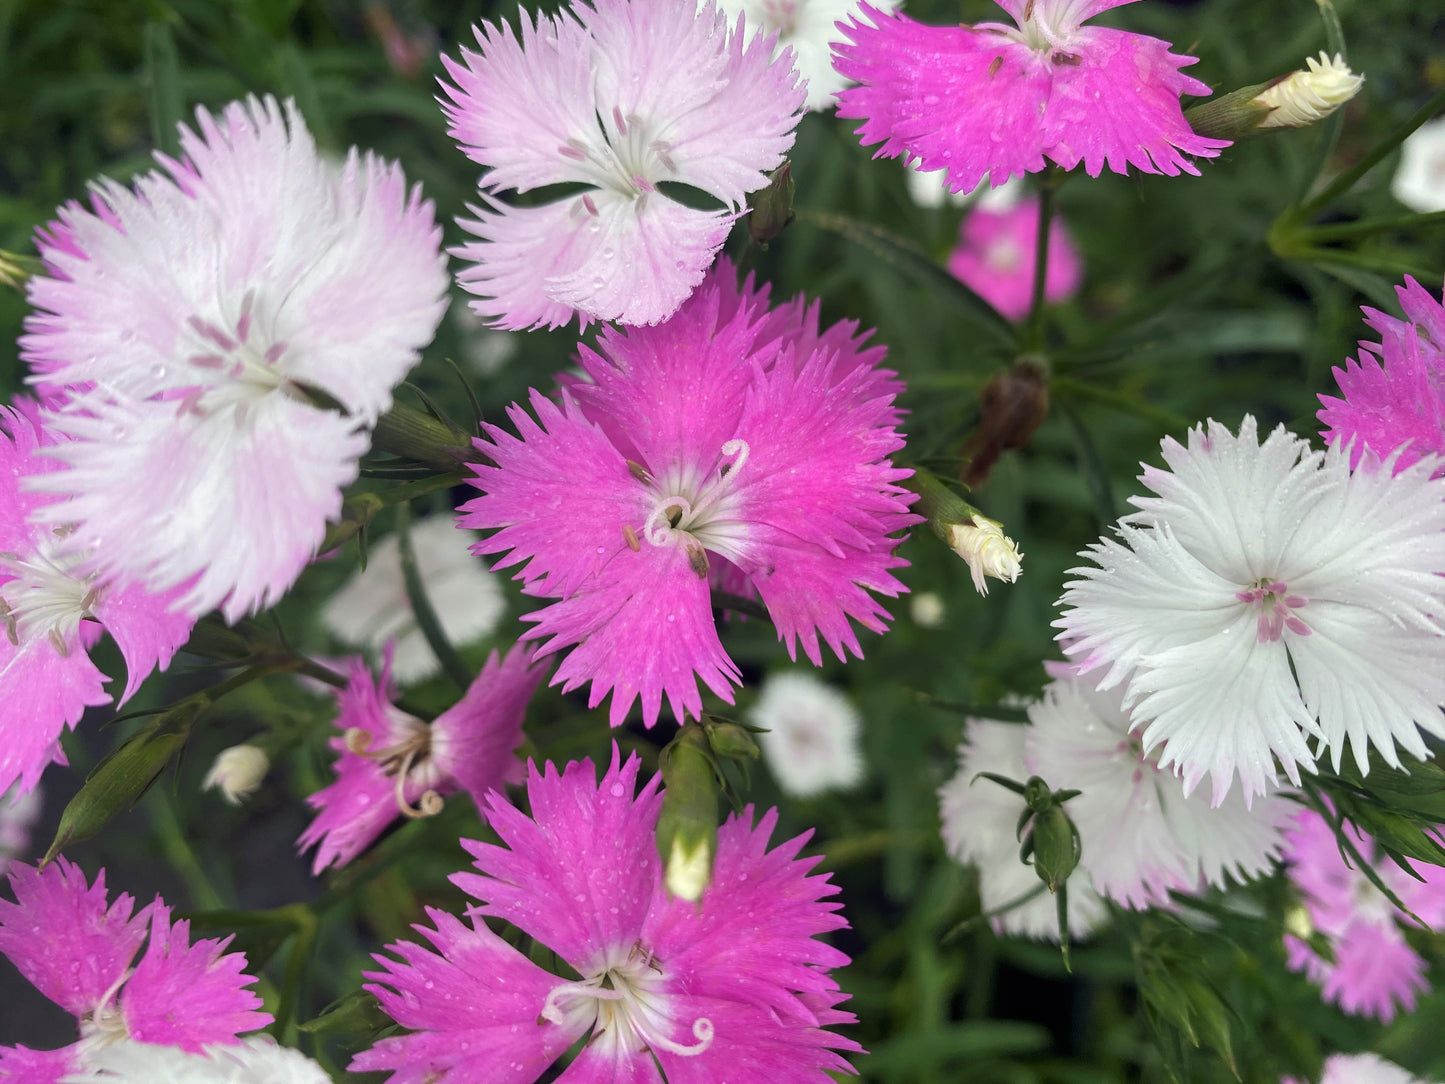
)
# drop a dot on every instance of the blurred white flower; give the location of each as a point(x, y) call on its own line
point(486, 349)
point(979, 824)
point(812, 739)
point(927, 189)
point(237, 772)
point(1420, 181)
point(251, 1061)
point(373, 608)
point(927, 610)
point(18, 815)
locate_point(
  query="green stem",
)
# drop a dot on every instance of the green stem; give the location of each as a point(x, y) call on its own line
point(1034, 327)
point(179, 852)
point(1369, 226)
point(421, 607)
point(1362, 260)
point(297, 960)
point(1080, 391)
point(1346, 180)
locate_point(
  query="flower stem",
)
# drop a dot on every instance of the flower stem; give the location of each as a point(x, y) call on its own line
point(426, 615)
point(1034, 329)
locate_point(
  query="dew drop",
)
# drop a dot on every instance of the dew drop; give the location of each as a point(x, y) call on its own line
point(618, 790)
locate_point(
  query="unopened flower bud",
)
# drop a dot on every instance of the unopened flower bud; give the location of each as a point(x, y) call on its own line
point(687, 825)
point(689, 867)
point(237, 772)
point(732, 741)
point(1012, 406)
point(1291, 101)
point(772, 207)
point(927, 610)
point(988, 551)
point(1056, 847)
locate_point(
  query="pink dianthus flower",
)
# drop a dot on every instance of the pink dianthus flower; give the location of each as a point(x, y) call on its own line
point(1395, 392)
point(187, 322)
point(393, 764)
point(732, 444)
point(998, 99)
point(735, 987)
point(997, 252)
point(53, 609)
point(77, 948)
point(1374, 966)
point(620, 96)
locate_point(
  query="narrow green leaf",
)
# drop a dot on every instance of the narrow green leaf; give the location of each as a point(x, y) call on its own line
point(163, 83)
point(421, 607)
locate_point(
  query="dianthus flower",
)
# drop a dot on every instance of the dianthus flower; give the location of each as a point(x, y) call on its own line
point(997, 252)
point(188, 323)
point(735, 987)
point(1361, 1069)
point(1268, 592)
point(730, 443)
point(1395, 392)
point(53, 608)
point(1141, 835)
point(393, 764)
point(77, 948)
point(811, 734)
point(1419, 183)
point(252, 1061)
point(620, 96)
point(980, 825)
point(373, 609)
point(807, 27)
point(999, 99)
point(1374, 967)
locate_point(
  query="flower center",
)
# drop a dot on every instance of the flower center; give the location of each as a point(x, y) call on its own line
point(625, 1002)
point(1004, 256)
point(781, 15)
point(699, 509)
point(626, 160)
point(1048, 26)
point(408, 761)
point(1276, 606)
point(104, 1025)
point(234, 367)
point(45, 597)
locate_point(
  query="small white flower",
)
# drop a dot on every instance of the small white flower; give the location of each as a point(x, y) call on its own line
point(237, 772)
point(252, 1061)
point(988, 551)
point(811, 744)
point(1310, 94)
point(1420, 181)
point(372, 608)
point(1141, 834)
point(486, 349)
point(18, 815)
point(979, 822)
point(927, 610)
point(806, 27)
point(1267, 593)
point(1365, 1069)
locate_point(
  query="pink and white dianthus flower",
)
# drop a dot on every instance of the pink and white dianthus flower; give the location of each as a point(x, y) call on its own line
point(1374, 969)
point(996, 99)
point(53, 609)
point(1142, 835)
point(621, 96)
point(187, 324)
point(77, 949)
point(1269, 592)
point(735, 987)
point(980, 824)
point(997, 252)
point(731, 444)
point(1395, 392)
point(393, 764)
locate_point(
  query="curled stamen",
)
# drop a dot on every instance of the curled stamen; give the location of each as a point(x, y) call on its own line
point(702, 1030)
point(654, 530)
point(735, 447)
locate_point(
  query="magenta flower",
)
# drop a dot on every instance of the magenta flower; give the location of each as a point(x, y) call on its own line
point(52, 610)
point(188, 321)
point(1374, 967)
point(995, 258)
point(733, 988)
point(728, 444)
point(619, 96)
point(1395, 392)
point(998, 99)
point(77, 949)
point(393, 764)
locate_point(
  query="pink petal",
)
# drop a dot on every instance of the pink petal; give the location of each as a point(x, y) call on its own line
point(474, 741)
point(580, 873)
point(144, 627)
point(644, 629)
point(19, 1065)
point(41, 693)
point(62, 936)
point(474, 1003)
point(1375, 968)
point(188, 995)
point(755, 1046)
point(996, 255)
point(609, 1065)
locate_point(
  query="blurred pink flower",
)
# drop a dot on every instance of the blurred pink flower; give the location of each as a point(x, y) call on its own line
point(1395, 392)
point(393, 764)
point(995, 258)
point(730, 442)
point(999, 99)
point(186, 324)
point(735, 987)
point(619, 96)
point(77, 949)
point(1374, 968)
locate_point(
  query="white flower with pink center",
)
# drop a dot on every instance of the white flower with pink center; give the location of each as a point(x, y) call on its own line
point(221, 337)
point(811, 739)
point(1268, 593)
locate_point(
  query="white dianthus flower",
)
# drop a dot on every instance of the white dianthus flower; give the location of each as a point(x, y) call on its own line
point(251, 1061)
point(1266, 593)
point(811, 744)
point(1420, 181)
